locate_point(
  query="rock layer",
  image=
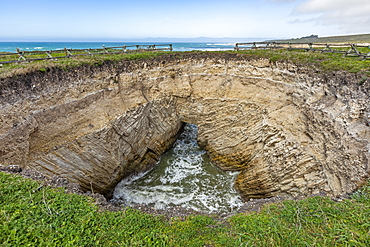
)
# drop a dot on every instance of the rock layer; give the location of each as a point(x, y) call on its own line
point(287, 130)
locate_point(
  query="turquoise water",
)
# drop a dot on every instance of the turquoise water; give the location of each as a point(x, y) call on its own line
point(31, 46)
point(185, 177)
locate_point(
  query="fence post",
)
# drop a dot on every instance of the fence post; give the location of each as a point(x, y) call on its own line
point(20, 54)
point(327, 47)
point(105, 50)
point(367, 55)
point(310, 47)
point(353, 48)
point(68, 52)
point(49, 54)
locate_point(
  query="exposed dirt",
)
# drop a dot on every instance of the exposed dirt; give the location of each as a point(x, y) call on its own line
point(21, 82)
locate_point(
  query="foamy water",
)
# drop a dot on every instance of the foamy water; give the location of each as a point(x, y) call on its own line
point(183, 177)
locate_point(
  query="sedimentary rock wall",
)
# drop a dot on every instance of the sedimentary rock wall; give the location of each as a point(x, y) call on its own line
point(287, 130)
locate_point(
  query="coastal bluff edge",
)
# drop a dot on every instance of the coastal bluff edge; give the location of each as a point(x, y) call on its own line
point(287, 129)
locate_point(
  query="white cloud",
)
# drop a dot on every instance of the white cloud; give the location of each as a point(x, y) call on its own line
point(349, 15)
point(311, 6)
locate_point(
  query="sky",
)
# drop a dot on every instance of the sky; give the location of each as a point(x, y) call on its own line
point(114, 20)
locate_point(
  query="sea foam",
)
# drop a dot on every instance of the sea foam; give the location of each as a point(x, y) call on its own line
point(183, 177)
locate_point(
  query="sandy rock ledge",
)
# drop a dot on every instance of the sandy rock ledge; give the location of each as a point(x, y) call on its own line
point(288, 130)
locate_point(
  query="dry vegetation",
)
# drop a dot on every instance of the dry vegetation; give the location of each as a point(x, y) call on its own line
point(360, 38)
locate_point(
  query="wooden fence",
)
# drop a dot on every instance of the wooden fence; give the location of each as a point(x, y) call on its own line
point(351, 49)
point(28, 56)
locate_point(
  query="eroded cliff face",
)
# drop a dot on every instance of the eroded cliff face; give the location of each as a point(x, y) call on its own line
point(287, 130)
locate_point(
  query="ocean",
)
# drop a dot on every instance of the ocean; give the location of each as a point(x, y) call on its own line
point(184, 176)
point(31, 46)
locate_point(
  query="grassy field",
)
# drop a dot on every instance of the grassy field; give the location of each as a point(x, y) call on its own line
point(359, 38)
point(49, 217)
point(7, 70)
point(321, 61)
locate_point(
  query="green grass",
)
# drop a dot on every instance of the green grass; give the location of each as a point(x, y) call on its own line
point(359, 38)
point(8, 70)
point(50, 217)
point(312, 222)
point(322, 61)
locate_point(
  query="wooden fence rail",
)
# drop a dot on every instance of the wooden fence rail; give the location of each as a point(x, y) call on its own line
point(351, 49)
point(28, 56)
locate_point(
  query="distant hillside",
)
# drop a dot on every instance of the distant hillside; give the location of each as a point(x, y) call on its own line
point(360, 38)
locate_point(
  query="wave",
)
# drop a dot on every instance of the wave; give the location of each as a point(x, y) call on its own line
point(183, 177)
point(203, 46)
point(215, 49)
point(223, 44)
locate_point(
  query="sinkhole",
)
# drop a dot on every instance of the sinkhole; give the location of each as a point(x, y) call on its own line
point(184, 176)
